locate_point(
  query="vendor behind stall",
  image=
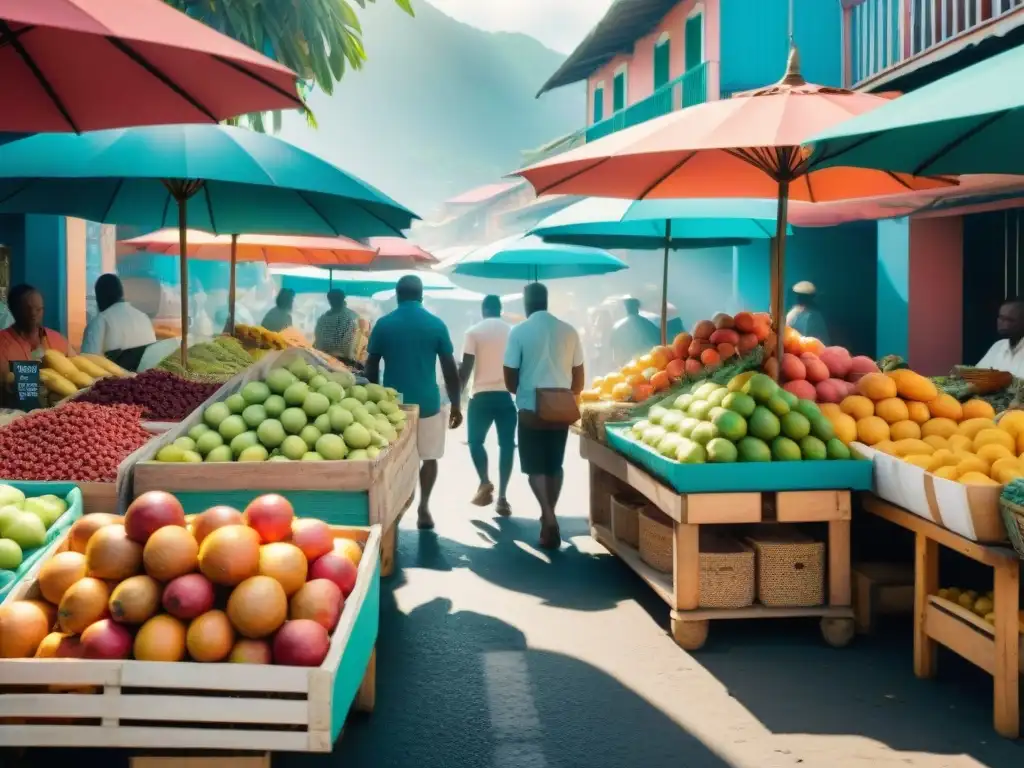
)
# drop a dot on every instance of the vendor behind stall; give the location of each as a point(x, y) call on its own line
point(1007, 354)
point(805, 317)
point(119, 325)
point(27, 339)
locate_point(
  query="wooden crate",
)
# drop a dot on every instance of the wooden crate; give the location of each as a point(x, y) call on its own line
point(145, 705)
point(99, 497)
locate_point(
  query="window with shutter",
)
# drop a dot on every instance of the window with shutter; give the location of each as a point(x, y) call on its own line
point(694, 41)
point(619, 91)
point(598, 104)
point(662, 60)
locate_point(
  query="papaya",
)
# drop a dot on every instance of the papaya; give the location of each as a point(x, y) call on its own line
point(906, 429)
point(937, 442)
point(978, 409)
point(975, 478)
point(877, 386)
point(945, 407)
point(971, 427)
point(994, 436)
point(892, 409)
point(913, 386)
point(1012, 422)
point(918, 412)
point(947, 472)
point(911, 446)
point(993, 452)
point(872, 430)
point(940, 427)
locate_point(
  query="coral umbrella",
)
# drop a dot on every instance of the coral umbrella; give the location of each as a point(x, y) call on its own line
point(399, 253)
point(746, 146)
point(86, 65)
point(269, 249)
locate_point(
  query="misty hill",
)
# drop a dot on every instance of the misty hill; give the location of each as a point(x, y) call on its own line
point(440, 106)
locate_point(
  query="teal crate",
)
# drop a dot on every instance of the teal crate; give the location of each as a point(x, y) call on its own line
point(854, 475)
point(72, 495)
point(356, 658)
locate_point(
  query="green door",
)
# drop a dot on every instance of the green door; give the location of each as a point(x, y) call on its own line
point(694, 41)
point(662, 57)
point(619, 92)
point(598, 105)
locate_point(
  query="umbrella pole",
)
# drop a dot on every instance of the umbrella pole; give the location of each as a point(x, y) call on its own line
point(183, 259)
point(664, 283)
point(778, 269)
point(231, 286)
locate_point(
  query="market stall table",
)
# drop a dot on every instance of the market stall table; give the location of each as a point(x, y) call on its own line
point(996, 649)
point(610, 472)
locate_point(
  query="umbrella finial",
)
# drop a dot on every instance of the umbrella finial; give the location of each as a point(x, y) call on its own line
point(793, 76)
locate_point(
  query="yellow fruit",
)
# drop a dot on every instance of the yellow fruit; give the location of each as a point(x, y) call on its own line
point(960, 443)
point(1012, 422)
point(978, 409)
point(844, 426)
point(975, 478)
point(990, 452)
point(56, 383)
point(877, 386)
point(906, 429)
point(945, 457)
point(990, 617)
point(79, 379)
point(994, 437)
point(953, 594)
point(892, 409)
point(918, 411)
point(885, 446)
point(590, 395)
point(922, 460)
point(936, 441)
point(946, 407)
point(971, 427)
point(973, 465)
point(1007, 463)
point(871, 429)
point(59, 362)
point(940, 427)
point(857, 406)
point(829, 409)
point(910, 446)
point(1005, 475)
point(1020, 444)
point(88, 367)
point(947, 472)
point(913, 386)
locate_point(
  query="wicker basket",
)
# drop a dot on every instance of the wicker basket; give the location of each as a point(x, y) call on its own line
point(726, 571)
point(1013, 519)
point(655, 539)
point(593, 417)
point(790, 568)
point(626, 510)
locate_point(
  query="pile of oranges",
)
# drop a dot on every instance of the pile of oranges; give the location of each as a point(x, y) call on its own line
point(691, 355)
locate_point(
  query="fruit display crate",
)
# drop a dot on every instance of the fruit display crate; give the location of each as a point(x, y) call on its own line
point(72, 497)
point(996, 648)
point(851, 475)
point(148, 706)
point(356, 493)
point(612, 473)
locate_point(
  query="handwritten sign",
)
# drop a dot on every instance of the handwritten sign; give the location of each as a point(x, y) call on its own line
point(26, 384)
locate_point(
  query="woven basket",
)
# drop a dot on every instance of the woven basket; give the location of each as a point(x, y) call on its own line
point(655, 539)
point(593, 417)
point(626, 518)
point(726, 572)
point(1013, 519)
point(790, 569)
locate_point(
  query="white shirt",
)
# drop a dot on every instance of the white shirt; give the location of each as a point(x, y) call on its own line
point(486, 341)
point(545, 350)
point(6, 318)
point(119, 326)
point(1001, 357)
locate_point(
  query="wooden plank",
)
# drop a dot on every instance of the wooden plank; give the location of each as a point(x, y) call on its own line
point(926, 583)
point(1006, 650)
point(812, 506)
point(99, 497)
point(960, 637)
point(663, 497)
point(839, 562)
point(144, 737)
point(764, 612)
point(968, 617)
point(366, 696)
point(202, 677)
point(660, 582)
point(208, 761)
point(721, 508)
point(256, 476)
point(685, 567)
point(600, 496)
point(394, 477)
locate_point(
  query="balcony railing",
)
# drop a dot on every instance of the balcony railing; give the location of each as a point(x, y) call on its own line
point(684, 91)
point(883, 33)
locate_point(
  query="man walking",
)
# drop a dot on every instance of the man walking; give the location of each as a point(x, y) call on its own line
point(483, 356)
point(410, 341)
point(543, 353)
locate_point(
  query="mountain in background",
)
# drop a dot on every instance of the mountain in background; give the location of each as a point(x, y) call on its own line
point(439, 108)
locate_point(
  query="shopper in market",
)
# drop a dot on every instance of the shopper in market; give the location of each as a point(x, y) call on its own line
point(805, 317)
point(119, 325)
point(544, 370)
point(279, 316)
point(632, 335)
point(483, 355)
point(336, 329)
point(1007, 354)
point(410, 341)
point(27, 338)
point(6, 318)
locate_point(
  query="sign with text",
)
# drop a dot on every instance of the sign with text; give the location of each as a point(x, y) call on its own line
point(26, 384)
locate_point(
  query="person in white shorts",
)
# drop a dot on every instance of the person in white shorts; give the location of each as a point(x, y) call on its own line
point(410, 341)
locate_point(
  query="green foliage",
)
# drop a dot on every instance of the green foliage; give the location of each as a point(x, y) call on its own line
point(318, 39)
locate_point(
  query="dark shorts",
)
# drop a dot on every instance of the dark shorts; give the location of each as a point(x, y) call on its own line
point(542, 451)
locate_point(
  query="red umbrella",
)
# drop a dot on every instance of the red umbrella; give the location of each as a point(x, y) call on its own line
point(399, 253)
point(84, 65)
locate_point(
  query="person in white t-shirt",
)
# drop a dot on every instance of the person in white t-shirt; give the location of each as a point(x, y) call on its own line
point(119, 325)
point(483, 356)
point(542, 352)
point(1007, 354)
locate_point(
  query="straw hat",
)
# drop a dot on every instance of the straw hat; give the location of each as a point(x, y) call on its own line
point(805, 288)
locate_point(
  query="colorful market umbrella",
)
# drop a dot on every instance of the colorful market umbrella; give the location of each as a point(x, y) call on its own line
point(399, 253)
point(269, 249)
point(366, 284)
point(967, 122)
point(531, 258)
point(240, 181)
point(667, 224)
point(86, 65)
point(746, 146)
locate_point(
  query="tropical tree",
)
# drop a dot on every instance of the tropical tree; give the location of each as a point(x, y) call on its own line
point(319, 39)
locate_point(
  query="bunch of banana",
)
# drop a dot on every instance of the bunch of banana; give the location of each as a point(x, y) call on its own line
point(63, 376)
point(259, 337)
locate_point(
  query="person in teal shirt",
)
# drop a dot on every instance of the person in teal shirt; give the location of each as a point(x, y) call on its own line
point(805, 317)
point(410, 341)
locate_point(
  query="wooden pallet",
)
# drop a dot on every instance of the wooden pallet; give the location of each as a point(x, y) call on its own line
point(186, 705)
point(611, 472)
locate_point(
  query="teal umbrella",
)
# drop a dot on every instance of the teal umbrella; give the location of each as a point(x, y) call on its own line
point(667, 224)
point(238, 181)
point(967, 122)
point(529, 258)
point(364, 284)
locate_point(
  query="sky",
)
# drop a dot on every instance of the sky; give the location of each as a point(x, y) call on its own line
point(559, 24)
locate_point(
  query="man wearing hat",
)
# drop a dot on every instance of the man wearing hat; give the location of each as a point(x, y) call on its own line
point(805, 317)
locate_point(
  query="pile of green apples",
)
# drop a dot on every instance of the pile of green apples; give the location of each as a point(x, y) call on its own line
point(24, 522)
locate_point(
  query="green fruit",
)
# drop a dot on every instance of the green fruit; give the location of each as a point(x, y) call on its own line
point(216, 414)
point(356, 436)
point(323, 423)
point(208, 442)
point(790, 399)
point(699, 409)
point(671, 420)
point(683, 402)
point(310, 435)
point(191, 457)
point(375, 393)
point(332, 391)
point(47, 508)
point(220, 454)
point(332, 447)
point(317, 382)
point(808, 409)
point(753, 449)
point(372, 452)
point(243, 441)
point(835, 449)
point(377, 439)
point(27, 531)
point(274, 406)
point(295, 395)
point(778, 405)
point(704, 390)
point(690, 452)
point(721, 451)
point(293, 447)
point(293, 420)
point(718, 396)
point(704, 433)
point(715, 412)
point(255, 392)
point(656, 414)
point(339, 418)
point(7, 516)
point(743, 404)
point(278, 458)
point(687, 425)
point(235, 403)
point(11, 496)
point(652, 435)
point(730, 425)
point(300, 370)
point(813, 449)
point(10, 555)
point(311, 456)
point(279, 380)
point(360, 454)
point(359, 393)
point(795, 425)
point(185, 443)
point(232, 427)
point(669, 444)
point(271, 433)
point(170, 453)
point(822, 429)
point(761, 387)
point(198, 431)
point(350, 403)
point(763, 424)
point(254, 415)
point(371, 408)
point(784, 449)
point(254, 453)
point(388, 432)
point(388, 408)
point(391, 392)
point(315, 404)
point(639, 428)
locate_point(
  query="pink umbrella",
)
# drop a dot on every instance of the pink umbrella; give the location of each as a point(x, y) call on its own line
point(84, 65)
point(399, 253)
